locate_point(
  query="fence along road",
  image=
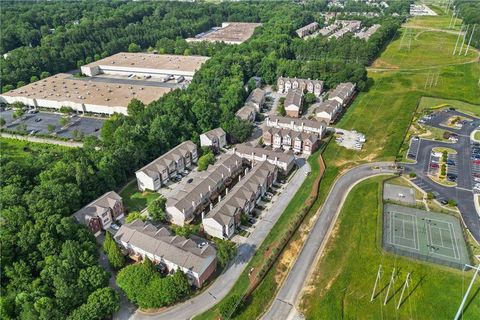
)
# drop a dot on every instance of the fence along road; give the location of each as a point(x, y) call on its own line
point(283, 306)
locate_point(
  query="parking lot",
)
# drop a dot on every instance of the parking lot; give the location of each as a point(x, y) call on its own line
point(47, 123)
point(350, 139)
point(462, 168)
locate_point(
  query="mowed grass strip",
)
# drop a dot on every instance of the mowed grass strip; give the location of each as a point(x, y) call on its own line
point(349, 267)
point(18, 150)
point(262, 296)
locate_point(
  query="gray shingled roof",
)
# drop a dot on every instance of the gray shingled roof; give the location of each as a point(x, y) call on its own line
point(259, 152)
point(97, 206)
point(256, 96)
point(215, 133)
point(159, 242)
point(163, 161)
point(342, 90)
point(294, 134)
point(294, 97)
point(245, 111)
point(236, 199)
point(298, 122)
point(328, 106)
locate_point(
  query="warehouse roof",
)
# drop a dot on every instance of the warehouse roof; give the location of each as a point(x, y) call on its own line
point(233, 32)
point(64, 87)
point(152, 61)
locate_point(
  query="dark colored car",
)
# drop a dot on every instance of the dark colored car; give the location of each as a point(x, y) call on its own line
point(450, 162)
point(190, 180)
point(444, 202)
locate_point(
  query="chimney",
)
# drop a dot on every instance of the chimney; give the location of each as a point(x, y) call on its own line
point(220, 197)
point(276, 160)
point(234, 149)
point(209, 188)
point(193, 203)
point(211, 206)
point(201, 195)
point(239, 177)
point(203, 214)
point(246, 170)
point(226, 192)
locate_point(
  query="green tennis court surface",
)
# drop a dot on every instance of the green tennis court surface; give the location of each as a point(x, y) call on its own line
point(428, 236)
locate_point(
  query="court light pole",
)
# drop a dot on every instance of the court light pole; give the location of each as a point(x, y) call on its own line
point(460, 309)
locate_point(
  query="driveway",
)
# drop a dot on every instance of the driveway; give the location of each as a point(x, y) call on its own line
point(224, 283)
point(287, 296)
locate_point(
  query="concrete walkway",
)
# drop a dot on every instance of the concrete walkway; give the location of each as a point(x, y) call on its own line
point(225, 282)
point(287, 297)
point(71, 144)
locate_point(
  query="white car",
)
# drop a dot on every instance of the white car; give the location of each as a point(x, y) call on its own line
point(477, 186)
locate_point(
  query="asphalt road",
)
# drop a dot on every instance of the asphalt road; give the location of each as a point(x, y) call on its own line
point(283, 306)
point(224, 283)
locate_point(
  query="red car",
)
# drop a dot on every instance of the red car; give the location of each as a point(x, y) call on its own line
point(476, 161)
point(434, 165)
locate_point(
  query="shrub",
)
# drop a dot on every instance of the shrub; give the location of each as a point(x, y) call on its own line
point(430, 196)
point(228, 307)
point(412, 174)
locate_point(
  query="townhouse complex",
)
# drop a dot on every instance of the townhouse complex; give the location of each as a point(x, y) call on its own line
point(312, 86)
point(284, 161)
point(215, 139)
point(99, 214)
point(338, 98)
point(306, 30)
point(158, 172)
point(294, 103)
point(191, 198)
point(224, 218)
point(288, 139)
point(252, 106)
point(299, 125)
point(143, 240)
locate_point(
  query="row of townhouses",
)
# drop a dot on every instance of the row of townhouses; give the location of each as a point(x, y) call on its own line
point(287, 139)
point(253, 105)
point(294, 103)
point(223, 219)
point(143, 240)
point(313, 86)
point(338, 99)
point(299, 125)
point(158, 172)
point(99, 214)
point(215, 139)
point(283, 161)
point(306, 30)
point(202, 189)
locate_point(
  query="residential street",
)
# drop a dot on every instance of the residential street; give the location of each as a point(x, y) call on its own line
point(289, 293)
point(224, 283)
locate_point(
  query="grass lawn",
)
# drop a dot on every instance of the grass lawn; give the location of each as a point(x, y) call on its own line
point(437, 103)
point(135, 200)
point(17, 150)
point(349, 267)
point(476, 135)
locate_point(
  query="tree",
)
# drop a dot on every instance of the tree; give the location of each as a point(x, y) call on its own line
point(33, 79)
point(452, 202)
point(136, 109)
point(7, 88)
point(226, 250)
point(229, 306)
point(114, 254)
point(156, 210)
point(18, 113)
point(101, 304)
point(205, 160)
point(310, 98)
point(44, 75)
point(430, 196)
point(134, 215)
point(2, 122)
point(66, 110)
point(50, 127)
point(63, 121)
point(238, 130)
point(133, 47)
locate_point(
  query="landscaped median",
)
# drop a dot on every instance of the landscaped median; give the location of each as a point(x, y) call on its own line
point(267, 253)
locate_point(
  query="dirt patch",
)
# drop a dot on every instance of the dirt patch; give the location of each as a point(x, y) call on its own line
point(379, 63)
point(287, 259)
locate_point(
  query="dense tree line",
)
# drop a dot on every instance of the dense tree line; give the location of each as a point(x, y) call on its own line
point(49, 264)
point(470, 12)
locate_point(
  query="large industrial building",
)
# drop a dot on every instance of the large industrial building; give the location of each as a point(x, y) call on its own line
point(82, 94)
point(113, 92)
point(230, 33)
point(145, 65)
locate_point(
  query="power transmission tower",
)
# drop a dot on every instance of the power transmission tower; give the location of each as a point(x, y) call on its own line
point(469, 41)
point(405, 285)
point(464, 37)
point(460, 309)
point(379, 275)
point(392, 281)
point(456, 43)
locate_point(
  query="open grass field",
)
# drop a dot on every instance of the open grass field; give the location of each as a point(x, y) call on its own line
point(18, 150)
point(135, 200)
point(349, 267)
point(419, 48)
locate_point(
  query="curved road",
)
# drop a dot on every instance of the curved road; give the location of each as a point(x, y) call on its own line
point(225, 282)
point(284, 305)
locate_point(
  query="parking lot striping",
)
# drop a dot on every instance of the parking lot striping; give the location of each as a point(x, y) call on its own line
point(460, 188)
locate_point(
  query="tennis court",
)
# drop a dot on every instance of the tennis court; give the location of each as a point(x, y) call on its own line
point(424, 235)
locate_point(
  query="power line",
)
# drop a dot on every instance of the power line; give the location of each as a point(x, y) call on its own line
point(456, 43)
point(460, 309)
point(464, 37)
point(469, 41)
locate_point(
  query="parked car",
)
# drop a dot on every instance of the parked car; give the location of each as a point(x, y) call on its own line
point(38, 119)
point(415, 138)
point(477, 161)
point(339, 133)
point(450, 162)
point(114, 227)
point(434, 165)
point(444, 202)
point(190, 180)
point(411, 155)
